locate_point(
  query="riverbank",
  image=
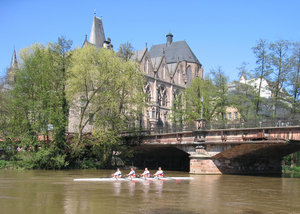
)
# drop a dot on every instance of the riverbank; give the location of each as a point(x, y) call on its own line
point(288, 169)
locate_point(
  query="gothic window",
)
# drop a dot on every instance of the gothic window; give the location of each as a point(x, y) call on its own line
point(147, 90)
point(189, 76)
point(164, 71)
point(162, 96)
point(153, 113)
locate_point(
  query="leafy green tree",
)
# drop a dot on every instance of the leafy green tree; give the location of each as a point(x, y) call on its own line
point(294, 80)
point(281, 63)
point(242, 97)
point(221, 96)
point(200, 100)
point(126, 51)
point(177, 109)
point(37, 115)
point(106, 89)
point(262, 71)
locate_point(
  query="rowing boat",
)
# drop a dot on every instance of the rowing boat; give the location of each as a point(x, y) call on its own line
point(134, 179)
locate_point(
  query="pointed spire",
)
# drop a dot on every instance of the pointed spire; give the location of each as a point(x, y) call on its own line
point(14, 61)
point(97, 36)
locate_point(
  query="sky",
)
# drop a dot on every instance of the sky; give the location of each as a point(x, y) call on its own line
point(220, 33)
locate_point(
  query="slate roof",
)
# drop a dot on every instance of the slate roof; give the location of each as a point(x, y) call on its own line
point(137, 55)
point(176, 51)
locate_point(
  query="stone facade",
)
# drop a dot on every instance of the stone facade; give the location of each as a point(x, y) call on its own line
point(168, 68)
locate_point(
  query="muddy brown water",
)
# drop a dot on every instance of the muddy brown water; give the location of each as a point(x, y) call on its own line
point(53, 192)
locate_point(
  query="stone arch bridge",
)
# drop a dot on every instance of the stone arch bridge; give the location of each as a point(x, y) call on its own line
point(220, 151)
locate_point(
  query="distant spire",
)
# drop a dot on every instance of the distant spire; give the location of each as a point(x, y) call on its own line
point(14, 61)
point(97, 36)
point(94, 12)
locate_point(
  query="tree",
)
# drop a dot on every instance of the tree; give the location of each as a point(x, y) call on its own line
point(243, 96)
point(294, 79)
point(177, 109)
point(126, 51)
point(107, 91)
point(37, 115)
point(281, 63)
point(221, 95)
point(262, 71)
point(199, 100)
point(61, 60)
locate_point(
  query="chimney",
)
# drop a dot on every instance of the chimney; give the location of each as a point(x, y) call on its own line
point(169, 39)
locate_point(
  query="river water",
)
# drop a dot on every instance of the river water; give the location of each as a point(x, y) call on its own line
point(54, 192)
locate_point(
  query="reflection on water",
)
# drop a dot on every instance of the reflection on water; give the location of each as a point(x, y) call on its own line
point(55, 192)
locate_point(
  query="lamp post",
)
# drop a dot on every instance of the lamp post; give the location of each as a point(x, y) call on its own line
point(200, 123)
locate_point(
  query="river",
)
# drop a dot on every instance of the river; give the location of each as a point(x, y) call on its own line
point(54, 192)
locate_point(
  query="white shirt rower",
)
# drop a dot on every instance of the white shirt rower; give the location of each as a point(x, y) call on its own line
point(117, 174)
point(159, 173)
point(146, 173)
point(131, 173)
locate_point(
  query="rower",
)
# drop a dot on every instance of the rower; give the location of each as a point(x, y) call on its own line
point(159, 173)
point(146, 173)
point(117, 174)
point(131, 173)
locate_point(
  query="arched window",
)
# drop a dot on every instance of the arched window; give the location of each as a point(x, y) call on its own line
point(147, 90)
point(162, 96)
point(153, 113)
point(164, 71)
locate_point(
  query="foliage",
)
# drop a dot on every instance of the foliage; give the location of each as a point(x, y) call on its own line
point(280, 62)
point(194, 107)
point(3, 164)
point(37, 116)
point(221, 95)
point(126, 51)
point(242, 98)
point(177, 115)
point(262, 71)
point(294, 80)
point(111, 98)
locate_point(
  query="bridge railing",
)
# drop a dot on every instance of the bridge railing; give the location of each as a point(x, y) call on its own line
point(212, 125)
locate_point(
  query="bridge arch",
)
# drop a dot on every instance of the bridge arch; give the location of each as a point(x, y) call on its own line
point(167, 156)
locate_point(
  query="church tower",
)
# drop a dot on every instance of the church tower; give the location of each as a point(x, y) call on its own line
point(97, 36)
point(10, 79)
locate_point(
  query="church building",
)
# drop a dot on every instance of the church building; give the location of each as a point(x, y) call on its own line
point(168, 68)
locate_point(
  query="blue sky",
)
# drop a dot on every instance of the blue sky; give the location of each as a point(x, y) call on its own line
point(220, 33)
